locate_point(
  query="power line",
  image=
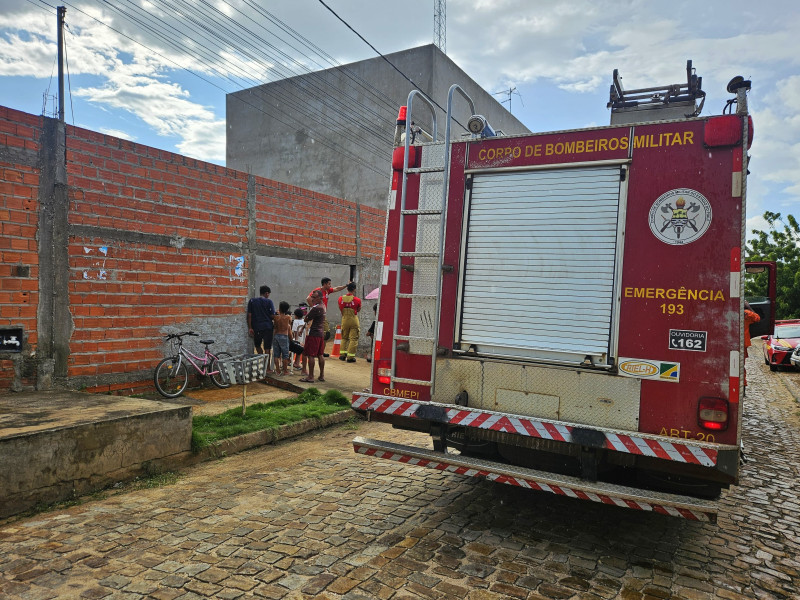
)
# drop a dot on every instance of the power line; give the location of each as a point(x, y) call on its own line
point(206, 33)
point(69, 81)
point(365, 86)
point(406, 77)
point(211, 34)
point(340, 109)
point(324, 141)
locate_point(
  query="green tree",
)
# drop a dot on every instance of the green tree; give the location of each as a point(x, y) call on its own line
point(781, 244)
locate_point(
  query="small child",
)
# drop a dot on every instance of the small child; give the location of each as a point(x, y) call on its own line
point(282, 324)
point(299, 334)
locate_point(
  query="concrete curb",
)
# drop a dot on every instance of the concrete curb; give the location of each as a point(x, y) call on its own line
point(250, 440)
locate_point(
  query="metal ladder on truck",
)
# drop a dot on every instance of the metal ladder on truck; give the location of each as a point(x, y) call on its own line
point(424, 263)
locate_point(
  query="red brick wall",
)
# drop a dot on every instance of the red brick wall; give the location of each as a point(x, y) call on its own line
point(123, 298)
point(124, 289)
point(19, 218)
point(284, 217)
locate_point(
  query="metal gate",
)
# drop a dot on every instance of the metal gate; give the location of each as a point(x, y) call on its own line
point(538, 277)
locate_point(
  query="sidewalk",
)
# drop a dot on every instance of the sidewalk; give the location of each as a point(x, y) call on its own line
point(339, 375)
point(60, 444)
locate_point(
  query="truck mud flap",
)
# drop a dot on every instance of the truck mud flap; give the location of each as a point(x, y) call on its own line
point(617, 495)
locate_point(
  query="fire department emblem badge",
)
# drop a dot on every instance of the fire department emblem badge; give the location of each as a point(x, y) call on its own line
point(680, 216)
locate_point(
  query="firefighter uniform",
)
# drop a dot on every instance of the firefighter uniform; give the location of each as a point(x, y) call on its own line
point(351, 328)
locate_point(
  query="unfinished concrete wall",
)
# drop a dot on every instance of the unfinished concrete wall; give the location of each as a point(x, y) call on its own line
point(108, 245)
point(100, 440)
point(338, 139)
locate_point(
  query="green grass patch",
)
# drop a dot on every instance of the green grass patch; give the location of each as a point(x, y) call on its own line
point(311, 404)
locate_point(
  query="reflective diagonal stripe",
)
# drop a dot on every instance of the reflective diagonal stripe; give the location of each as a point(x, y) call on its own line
point(657, 447)
point(560, 490)
point(642, 446)
point(701, 454)
point(672, 451)
point(541, 430)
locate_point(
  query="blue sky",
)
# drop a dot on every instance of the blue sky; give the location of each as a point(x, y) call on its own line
point(559, 55)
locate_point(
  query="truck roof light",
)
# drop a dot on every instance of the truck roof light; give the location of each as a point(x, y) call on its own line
point(712, 413)
point(401, 115)
point(478, 125)
point(726, 130)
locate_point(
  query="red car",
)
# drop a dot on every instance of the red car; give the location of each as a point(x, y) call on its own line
point(779, 346)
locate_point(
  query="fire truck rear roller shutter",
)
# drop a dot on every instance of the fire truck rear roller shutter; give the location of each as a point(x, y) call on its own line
point(543, 240)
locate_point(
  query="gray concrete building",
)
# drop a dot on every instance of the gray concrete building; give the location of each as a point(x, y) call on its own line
point(331, 131)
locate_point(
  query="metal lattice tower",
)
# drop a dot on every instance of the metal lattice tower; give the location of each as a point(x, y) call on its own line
point(440, 24)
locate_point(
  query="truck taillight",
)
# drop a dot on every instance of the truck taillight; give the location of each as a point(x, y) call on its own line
point(712, 413)
point(384, 371)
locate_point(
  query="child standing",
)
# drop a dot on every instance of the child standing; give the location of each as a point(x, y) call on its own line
point(299, 335)
point(280, 343)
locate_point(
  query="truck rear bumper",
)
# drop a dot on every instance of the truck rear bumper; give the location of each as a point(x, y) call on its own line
point(563, 485)
point(679, 450)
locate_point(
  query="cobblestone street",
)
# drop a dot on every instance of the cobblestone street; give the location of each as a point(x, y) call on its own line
point(328, 523)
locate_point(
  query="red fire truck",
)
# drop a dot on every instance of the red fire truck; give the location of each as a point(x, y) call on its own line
point(563, 311)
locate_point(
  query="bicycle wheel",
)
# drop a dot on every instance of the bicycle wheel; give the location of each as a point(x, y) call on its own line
point(171, 377)
point(214, 372)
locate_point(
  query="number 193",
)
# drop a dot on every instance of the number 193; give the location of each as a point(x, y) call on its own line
point(672, 309)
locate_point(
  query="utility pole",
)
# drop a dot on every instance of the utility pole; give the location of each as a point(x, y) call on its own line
point(62, 10)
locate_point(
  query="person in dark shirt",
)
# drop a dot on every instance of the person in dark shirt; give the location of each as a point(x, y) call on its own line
point(315, 340)
point(260, 311)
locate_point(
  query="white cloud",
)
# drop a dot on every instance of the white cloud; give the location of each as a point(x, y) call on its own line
point(132, 77)
point(573, 45)
point(776, 144)
point(757, 223)
point(578, 44)
point(118, 133)
point(25, 56)
point(204, 140)
point(166, 108)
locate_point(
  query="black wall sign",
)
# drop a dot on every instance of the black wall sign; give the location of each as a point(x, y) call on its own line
point(11, 340)
point(681, 339)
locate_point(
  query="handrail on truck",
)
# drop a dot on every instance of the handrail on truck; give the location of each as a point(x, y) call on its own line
point(409, 104)
point(445, 189)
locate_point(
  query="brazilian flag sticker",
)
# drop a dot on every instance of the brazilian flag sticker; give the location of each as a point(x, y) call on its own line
point(669, 371)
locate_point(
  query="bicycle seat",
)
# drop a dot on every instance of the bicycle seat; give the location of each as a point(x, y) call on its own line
point(206, 342)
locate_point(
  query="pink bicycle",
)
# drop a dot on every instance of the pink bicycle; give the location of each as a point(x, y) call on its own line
point(172, 376)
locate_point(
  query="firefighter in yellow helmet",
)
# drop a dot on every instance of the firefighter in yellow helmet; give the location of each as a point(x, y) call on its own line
point(349, 304)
